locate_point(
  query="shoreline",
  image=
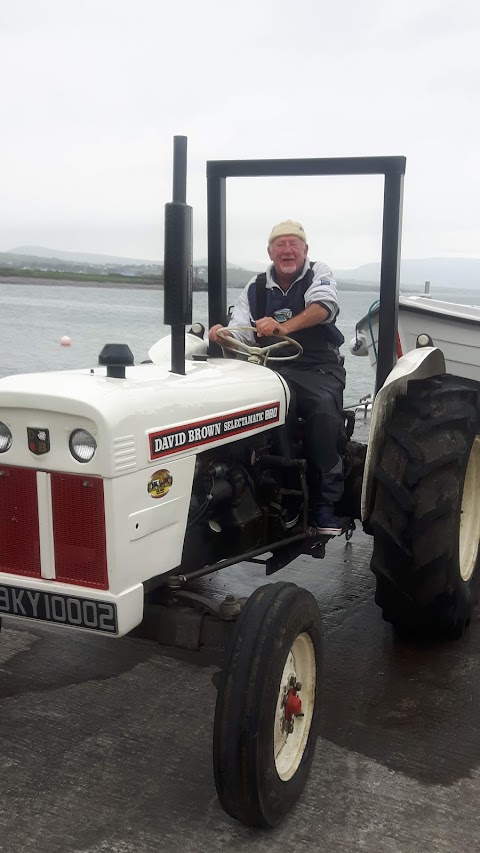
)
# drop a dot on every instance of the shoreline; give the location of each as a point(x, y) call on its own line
point(68, 282)
point(65, 282)
point(29, 281)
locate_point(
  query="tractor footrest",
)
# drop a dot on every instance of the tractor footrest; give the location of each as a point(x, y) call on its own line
point(267, 461)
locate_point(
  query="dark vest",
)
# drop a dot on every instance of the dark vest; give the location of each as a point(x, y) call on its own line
point(320, 343)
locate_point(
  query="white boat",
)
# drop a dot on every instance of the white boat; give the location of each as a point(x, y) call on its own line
point(452, 327)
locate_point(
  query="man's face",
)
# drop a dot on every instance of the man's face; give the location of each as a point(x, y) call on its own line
point(288, 255)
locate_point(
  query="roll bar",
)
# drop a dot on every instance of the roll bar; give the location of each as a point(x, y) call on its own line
point(393, 169)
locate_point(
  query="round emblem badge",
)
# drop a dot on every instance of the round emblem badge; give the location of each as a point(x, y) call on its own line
point(159, 483)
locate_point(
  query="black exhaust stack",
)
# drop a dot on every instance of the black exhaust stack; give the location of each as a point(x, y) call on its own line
point(178, 267)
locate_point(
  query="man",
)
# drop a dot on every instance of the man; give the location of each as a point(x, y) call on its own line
point(298, 298)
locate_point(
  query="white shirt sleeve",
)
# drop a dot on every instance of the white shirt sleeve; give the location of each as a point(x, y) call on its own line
point(323, 290)
point(241, 316)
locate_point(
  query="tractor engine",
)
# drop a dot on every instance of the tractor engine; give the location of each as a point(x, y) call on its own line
point(237, 502)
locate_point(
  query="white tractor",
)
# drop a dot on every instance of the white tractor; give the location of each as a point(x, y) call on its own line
point(122, 484)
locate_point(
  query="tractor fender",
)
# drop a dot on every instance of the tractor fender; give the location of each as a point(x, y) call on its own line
point(416, 364)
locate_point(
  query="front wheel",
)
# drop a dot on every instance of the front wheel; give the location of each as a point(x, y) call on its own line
point(267, 712)
point(426, 518)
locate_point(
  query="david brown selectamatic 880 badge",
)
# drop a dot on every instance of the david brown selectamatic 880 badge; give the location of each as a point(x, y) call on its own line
point(174, 439)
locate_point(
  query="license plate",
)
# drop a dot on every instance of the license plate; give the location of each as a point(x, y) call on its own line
point(60, 609)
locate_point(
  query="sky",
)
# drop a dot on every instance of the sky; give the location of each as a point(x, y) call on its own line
point(93, 92)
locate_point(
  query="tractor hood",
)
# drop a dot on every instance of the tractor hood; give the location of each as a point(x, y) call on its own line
point(150, 414)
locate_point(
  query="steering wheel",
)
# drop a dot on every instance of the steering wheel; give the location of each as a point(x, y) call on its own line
point(257, 355)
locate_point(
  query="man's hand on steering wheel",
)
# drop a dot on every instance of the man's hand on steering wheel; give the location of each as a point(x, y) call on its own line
point(267, 326)
point(256, 354)
point(212, 334)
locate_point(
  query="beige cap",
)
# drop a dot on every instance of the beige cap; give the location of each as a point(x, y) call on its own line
point(287, 228)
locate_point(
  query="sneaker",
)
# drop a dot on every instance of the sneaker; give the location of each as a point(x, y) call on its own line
point(325, 521)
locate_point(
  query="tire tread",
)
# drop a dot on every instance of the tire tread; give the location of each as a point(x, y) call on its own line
point(415, 521)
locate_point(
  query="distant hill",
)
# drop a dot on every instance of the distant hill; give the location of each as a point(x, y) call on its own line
point(203, 262)
point(76, 257)
point(39, 258)
point(463, 273)
point(40, 252)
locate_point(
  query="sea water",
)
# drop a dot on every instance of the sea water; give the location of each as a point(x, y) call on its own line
point(33, 319)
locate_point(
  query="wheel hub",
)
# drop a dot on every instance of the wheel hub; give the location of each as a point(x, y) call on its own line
point(294, 713)
point(292, 705)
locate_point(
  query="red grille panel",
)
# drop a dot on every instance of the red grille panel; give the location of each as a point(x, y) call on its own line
point(79, 530)
point(19, 534)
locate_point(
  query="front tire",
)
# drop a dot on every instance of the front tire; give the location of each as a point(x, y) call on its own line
point(262, 747)
point(426, 517)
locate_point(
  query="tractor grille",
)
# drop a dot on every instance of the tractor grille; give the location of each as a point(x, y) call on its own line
point(19, 533)
point(78, 515)
point(79, 530)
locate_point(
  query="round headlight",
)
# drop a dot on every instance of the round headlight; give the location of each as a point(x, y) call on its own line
point(5, 438)
point(82, 445)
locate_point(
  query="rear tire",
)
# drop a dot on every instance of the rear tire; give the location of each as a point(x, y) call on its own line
point(426, 517)
point(260, 767)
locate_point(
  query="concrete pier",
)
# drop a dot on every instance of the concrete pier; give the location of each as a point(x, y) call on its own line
point(106, 745)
